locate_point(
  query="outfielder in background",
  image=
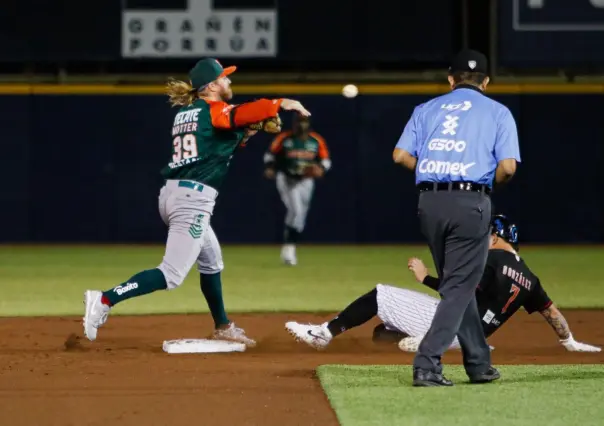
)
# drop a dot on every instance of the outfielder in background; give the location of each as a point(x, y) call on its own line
point(507, 284)
point(295, 159)
point(204, 136)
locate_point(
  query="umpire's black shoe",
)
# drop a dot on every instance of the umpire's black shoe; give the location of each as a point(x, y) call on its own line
point(424, 378)
point(488, 376)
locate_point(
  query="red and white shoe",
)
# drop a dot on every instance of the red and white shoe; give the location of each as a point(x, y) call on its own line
point(233, 333)
point(96, 313)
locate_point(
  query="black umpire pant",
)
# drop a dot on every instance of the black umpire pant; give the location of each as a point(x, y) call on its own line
point(456, 224)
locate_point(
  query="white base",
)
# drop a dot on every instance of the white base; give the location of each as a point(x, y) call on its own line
point(204, 346)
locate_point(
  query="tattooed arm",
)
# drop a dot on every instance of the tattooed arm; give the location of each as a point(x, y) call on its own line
point(555, 318)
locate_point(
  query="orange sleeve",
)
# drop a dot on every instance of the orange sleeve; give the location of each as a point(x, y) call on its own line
point(225, 116)
point(277, 143)
point(323, 151)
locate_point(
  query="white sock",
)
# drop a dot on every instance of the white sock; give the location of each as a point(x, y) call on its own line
point(288, 250)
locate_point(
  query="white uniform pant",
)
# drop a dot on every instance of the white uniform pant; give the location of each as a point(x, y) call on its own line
point(296, 195)
point(407, 311)
point(191, 239)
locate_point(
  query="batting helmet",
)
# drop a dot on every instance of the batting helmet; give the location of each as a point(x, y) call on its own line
point(503, 228)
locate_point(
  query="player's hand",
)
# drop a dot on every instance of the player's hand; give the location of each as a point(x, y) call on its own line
point(269, 173)
point(572, 345)
point(291, 105)
point(418, 268)
point(313, 171)
point(248, 134)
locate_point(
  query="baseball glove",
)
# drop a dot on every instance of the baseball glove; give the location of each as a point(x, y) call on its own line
point(313, 171)
point(270, 125)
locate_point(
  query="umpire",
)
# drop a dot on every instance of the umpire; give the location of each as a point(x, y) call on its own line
point(458, 144)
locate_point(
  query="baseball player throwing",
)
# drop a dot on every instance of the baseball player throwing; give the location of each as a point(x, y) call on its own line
point(205, 135)
point(296, 158)
point(506, 285)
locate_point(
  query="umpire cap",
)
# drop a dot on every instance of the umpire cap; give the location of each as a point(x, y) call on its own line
point(469, 61)
point(503, 228)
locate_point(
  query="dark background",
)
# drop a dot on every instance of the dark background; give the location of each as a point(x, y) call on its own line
point(319, 35)
point(86, 168)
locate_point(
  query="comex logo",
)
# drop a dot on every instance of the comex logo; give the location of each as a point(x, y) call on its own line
point(125, 288)
point(450, 124)
point(444, 167)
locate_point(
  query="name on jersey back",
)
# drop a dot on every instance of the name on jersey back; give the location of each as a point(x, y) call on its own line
point(517, 277)
point(186, 121)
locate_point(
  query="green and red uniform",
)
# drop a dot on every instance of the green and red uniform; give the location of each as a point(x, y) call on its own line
point(206, 134)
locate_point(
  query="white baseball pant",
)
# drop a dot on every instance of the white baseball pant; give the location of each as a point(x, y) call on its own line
point(296, 194)
point(191, 239)
point(407, 311)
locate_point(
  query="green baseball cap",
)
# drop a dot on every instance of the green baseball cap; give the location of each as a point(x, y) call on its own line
point(208, 70)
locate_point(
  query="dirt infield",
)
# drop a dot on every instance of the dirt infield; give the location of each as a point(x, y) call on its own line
point(124, 378)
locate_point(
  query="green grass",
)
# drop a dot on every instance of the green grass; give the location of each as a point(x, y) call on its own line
point(528, 395)
point(50, 280)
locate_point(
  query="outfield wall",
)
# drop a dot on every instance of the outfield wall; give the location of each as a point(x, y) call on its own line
point(81, 164)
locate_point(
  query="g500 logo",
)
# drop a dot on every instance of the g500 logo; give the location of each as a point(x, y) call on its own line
point(446, 145)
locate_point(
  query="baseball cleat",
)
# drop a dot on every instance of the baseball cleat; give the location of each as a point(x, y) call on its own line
point(96, 313)
point(316, 336)
point(410, 344)
point(288, 255)
point(234, 334)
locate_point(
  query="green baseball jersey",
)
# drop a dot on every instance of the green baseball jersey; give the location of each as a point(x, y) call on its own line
point(291, 154)
point(200, 151)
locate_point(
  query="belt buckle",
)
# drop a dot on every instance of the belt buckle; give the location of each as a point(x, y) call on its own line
point(464, 186)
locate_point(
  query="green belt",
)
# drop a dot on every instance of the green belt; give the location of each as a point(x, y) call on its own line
point(196, 186)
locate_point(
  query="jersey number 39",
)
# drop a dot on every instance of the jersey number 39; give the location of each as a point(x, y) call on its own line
point(184, 147)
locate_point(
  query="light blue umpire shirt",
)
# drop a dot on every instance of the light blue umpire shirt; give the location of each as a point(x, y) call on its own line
point(460, 137)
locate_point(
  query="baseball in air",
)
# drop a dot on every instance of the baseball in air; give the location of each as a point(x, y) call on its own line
point(350, 91)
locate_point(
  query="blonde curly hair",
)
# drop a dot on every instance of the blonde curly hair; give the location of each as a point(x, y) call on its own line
point(180, 92)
